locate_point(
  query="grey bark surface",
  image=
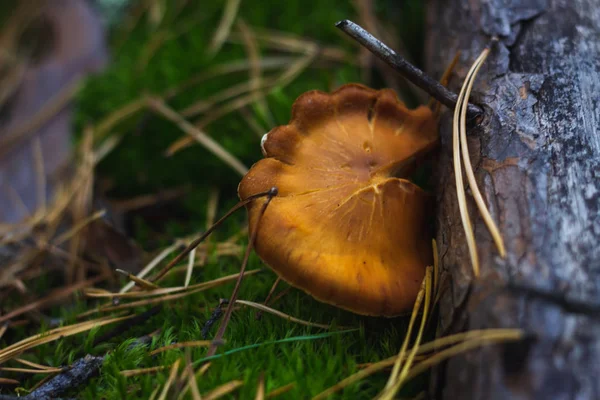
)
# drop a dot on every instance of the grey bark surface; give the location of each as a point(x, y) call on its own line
point(537, 159)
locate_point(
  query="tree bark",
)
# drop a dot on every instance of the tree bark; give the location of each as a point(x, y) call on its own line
point(537, 160)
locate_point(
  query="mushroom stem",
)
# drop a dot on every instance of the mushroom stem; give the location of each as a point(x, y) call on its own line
point(399, 63)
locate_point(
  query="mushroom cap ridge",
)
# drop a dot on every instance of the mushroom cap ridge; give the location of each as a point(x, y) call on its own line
point(344, 227)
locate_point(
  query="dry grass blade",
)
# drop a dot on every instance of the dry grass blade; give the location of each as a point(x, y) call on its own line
point(232, 299)
point(208, 103)
point(32, 364)
point(190, 268)
point(195, 343)
point(458, 349)
point(191, 378)
point(209, 143)
point(110, 121)
point(151, 265)
point(285, 316)
point(460, 188)
point(251, 47)
point(225, 69)
point(142, 371)
point(295, 69)
point(7, 381)
point(146, 200)
point(201, 371)
point(482, 336)
point(52, 298)
point(154, 393)
point(417, 306)
point(224, 28)
point(485, 214)
point(142, 283)
point(31, 371)
point(397, 380)
point(279, 391)
point(285, 41)
point(78, 227)
point(260, 390)
point(172, 375)
point(40, 174)
point(16, 349)
point(3, 329)
point(158, 292)
point(108, 308)
point(223, 390)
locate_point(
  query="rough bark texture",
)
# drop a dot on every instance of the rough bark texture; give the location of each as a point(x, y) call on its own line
point(537, 158)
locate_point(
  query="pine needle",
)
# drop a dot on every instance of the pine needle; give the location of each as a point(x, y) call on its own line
point(487, 336)
point(279, 391)
point(260, 390)
point(417, 306)
point(285, 316)
point(223, 390)
point(229, 14)
point(101, 293)
point(460, 189)
point(151, 265)
point(485, 214)
point(143, 371)
point(18, 348)
point(195, 343)
point(144, 284)
point(172, 375)
point(31, 371)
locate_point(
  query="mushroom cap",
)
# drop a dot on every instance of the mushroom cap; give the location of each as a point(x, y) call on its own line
point(344, 227)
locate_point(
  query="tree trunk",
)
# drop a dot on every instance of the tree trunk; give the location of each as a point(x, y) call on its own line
point(537, 160)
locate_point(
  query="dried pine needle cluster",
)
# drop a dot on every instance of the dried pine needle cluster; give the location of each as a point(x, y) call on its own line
point(459, 145)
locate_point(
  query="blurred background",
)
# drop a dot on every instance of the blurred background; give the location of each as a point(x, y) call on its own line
point(231, 68)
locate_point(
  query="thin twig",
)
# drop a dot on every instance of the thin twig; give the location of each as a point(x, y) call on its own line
point(196, 242)
point(412, 73)
point(219, 336)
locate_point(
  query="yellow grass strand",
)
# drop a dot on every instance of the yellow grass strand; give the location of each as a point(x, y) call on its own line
point(32, 364)
point(483, 210)
point(151, 265)
point(144, 284)
point(391, 392)
point(281, 390)
point(161, 108)
point(142, 371)
point(460, 188)
point(31, 371)
point(223, 390)
point(26, 344)
point(487, 335)
point(285, 316)
point(101, 293)
point(229, 14)
point(172, 375)
point(260, 390)
point(79, 226)
point(194, 343)
point(413, 317)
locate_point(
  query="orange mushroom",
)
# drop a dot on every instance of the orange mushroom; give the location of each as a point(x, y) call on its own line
point(346, 226)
